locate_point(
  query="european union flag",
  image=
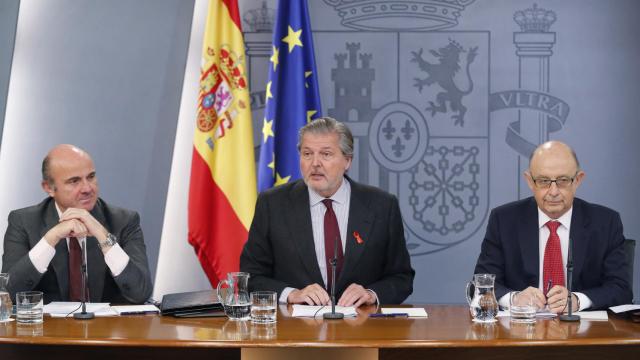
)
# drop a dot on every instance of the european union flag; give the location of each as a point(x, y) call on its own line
point(292, 98)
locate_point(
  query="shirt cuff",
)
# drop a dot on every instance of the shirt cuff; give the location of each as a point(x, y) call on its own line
point(377, 302)
point(504, 301)
point(285, 294)
point(41, 255)
point(585, 302)
point(116, 259)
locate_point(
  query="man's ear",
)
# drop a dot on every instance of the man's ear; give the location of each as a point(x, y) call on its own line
point(529, 179)
point(350, 160)
point(578, 179)
point(48, 188)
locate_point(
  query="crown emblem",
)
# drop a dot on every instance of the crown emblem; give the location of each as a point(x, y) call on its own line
point(413, 14)
point(534, 19)
point(260, 20)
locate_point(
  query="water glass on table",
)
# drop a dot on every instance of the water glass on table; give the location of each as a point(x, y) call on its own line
point(29, 307)
point(522, 307)
point(263, 307)
point(5, 299)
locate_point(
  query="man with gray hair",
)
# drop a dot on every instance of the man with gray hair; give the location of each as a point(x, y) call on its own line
point(297, 226)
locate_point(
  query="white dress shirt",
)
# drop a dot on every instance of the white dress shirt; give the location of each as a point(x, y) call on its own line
point(340, 204)
point(42, 254)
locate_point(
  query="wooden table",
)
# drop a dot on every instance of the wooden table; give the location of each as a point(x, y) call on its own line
point(447, 333)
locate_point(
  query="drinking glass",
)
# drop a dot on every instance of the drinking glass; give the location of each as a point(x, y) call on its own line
point(29, 306)
point(5, 299)
point(263, 307)
point(522, 307)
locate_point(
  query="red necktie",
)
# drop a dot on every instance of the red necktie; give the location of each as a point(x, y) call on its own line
point(331, 234)
point(75, 270)
point(552, 268)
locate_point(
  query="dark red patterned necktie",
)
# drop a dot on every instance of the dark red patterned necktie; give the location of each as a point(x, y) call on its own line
point(75, 270)
point(331, 234)
point(552, 268)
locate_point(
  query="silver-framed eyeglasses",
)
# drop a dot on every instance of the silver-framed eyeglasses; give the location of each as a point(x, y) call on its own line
point(562, 182)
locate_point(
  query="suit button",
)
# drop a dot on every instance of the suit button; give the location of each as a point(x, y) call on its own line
point(29, 283)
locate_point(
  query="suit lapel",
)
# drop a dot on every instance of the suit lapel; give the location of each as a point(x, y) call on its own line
point(360, 222)
point(96, 267)
point(60, 261)
point(299, 218)
point(529, 236)
point(578, 235)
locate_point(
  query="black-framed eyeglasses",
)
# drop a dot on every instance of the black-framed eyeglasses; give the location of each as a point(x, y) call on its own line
point(562, 182)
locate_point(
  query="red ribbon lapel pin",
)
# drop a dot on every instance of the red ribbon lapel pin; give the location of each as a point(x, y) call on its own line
point(358, 237)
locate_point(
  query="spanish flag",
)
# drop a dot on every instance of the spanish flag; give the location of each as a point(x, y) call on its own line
point(222, 190)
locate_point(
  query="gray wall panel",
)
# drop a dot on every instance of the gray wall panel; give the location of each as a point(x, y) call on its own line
point(8, 21)
point(107, 76)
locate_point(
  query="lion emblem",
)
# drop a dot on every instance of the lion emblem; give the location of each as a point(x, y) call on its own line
point(443, 73)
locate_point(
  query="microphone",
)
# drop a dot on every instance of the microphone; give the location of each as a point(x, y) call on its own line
point(569, 316)
point(84, 315)
point(333, 315)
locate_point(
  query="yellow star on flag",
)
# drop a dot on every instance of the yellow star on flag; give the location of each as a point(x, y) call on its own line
point(306, 75)
point(310, 113)
point(267, 129)
point(269, 94)
point(281, 180)
point(272, 165)
point(274, 57)
point(293, 38)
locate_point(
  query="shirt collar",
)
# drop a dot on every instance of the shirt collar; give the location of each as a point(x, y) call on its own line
point(341, 196)
point(58, 209)
point(564, 220)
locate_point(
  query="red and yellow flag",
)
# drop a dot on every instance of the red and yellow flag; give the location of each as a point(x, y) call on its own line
point(222, 192)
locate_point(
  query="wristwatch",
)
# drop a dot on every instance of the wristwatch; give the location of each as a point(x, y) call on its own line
point(109, 241)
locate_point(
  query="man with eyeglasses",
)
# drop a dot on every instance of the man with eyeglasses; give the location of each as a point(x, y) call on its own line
point(527, 241)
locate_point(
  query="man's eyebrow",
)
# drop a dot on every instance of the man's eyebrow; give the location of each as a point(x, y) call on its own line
point(73, 178)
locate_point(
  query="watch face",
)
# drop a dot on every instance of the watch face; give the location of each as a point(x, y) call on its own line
point(109, 241)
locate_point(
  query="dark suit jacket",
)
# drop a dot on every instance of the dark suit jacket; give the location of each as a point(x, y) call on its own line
point(510, 250)
point(27, 226)
point(280, 251)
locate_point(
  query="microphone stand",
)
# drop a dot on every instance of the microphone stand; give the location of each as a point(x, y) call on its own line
point(569, 316)
point(84, 315)
point(333, 315)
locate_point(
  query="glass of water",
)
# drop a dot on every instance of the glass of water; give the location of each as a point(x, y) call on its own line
point(522, 307)
point(263, 307)
point(5, 299)
point(29, 306)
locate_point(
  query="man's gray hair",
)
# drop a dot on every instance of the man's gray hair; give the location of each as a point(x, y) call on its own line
point(327, 125)
point(46, 174)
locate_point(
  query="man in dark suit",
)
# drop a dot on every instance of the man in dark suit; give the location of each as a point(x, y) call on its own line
point(295, 227)
point(527, 241)
point(43, 243)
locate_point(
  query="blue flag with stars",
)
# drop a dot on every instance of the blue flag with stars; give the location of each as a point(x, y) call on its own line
point(292, 97)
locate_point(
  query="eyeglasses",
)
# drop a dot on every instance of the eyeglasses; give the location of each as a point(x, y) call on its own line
point(562, 182)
